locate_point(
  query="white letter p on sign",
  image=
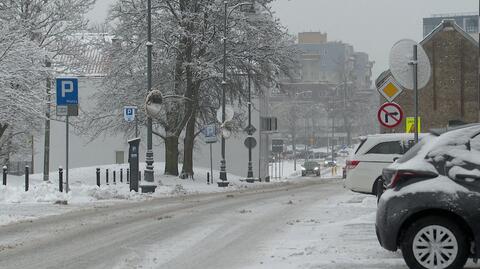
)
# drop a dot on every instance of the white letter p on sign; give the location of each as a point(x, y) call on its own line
point(67, 87)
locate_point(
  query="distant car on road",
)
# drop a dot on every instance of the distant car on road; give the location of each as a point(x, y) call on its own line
point(430, 209)
point(330, 163)
point(310, 167)
point(375, 152)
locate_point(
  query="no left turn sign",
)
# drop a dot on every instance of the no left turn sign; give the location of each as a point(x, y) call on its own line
point(390, 115)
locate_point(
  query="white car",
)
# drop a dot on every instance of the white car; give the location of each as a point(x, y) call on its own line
point(374, 153)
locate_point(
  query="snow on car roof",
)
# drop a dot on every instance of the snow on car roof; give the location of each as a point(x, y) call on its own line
point(450, 142)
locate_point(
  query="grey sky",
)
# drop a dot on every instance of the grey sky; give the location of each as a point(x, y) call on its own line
point(372, 26)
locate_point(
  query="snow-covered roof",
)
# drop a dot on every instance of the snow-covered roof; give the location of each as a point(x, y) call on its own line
point(88, 60)
point(449, 24)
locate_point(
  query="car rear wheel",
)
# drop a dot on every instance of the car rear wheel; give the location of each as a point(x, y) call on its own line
point(434, 243)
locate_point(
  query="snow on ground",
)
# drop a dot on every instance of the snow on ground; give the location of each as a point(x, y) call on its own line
point(44, 199)
point(338, 233)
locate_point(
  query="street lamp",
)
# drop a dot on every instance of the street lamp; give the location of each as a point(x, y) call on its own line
point(334, 90)
point(149, 174)
point(294, 137)
point(223, 164)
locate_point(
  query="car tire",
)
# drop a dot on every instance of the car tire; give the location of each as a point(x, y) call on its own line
point(450, 252)
point(304, 174)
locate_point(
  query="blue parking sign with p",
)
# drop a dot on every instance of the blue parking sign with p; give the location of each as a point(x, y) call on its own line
point(129, 113)
point(67, 91)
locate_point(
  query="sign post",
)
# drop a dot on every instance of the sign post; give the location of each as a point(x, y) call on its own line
point(210, 134)
point(390, 115)
point(67, 105)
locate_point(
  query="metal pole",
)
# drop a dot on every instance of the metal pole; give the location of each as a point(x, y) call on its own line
point(98, 177)
point(415, 89)
point(33, 154)
point(250, 168)
point(60, 179)
point(46, 148)
point(149, 155)
point(136, 126)
point(26, 178)
point(67, 188)
point(306, 140)
point(4, 175)
point(223, 164)
point(333, 125)
point(211, 162)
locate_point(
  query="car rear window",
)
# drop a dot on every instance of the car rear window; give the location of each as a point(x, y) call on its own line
point(390, 147)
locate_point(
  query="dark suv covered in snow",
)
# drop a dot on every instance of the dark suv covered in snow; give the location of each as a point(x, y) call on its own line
point(431, 208)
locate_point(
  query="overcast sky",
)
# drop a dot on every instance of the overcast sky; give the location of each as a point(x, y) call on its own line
point(372, 26)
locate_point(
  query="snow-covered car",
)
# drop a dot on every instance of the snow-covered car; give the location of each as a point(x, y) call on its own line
point(430, 209)
point(310, 167)
point(375, 152)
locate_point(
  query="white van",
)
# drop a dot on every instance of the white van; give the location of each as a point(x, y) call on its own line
point(374, 153)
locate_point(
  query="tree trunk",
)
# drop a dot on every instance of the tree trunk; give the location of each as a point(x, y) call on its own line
point(188, 146)
point(171, 155)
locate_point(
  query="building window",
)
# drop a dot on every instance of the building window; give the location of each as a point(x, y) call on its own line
point(471, 26)
point(119, 157)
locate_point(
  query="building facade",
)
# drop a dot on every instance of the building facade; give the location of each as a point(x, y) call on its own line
point(321, 105)
point(466, 21)
point(452, 94)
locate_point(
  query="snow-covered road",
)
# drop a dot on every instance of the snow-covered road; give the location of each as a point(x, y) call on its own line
point(313, 224)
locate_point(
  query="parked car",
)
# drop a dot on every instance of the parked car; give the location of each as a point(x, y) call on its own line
point(375, 152)
point(310, 167)
point(430, 209)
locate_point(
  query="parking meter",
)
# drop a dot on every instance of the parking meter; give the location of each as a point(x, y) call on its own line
point(133, 160)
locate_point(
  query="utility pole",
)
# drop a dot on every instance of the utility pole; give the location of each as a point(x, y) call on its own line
point(46, 148)
point(33, 155)
point(250, 168)
point(223, 182)
point(223, 164)
point(149, 174)
point(415, 88)
point(333, 124)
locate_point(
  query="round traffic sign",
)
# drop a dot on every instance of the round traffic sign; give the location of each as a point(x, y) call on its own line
point(250, 142)
point(390, 115)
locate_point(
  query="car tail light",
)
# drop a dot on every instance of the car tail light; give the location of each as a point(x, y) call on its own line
point(400, 176)
point(351, 164)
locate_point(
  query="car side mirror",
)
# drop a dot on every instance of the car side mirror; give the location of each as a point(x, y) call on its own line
point(468, 145)
point(395, 159)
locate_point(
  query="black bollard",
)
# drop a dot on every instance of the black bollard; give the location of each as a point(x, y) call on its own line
point(139, 175)
point(114, 177)
point(26, 178)
point(208, 178)
point(128, 175)
point(106, 176)
point(4, 176)
point(60, 179)
point(121, 175)
point(98, 177)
